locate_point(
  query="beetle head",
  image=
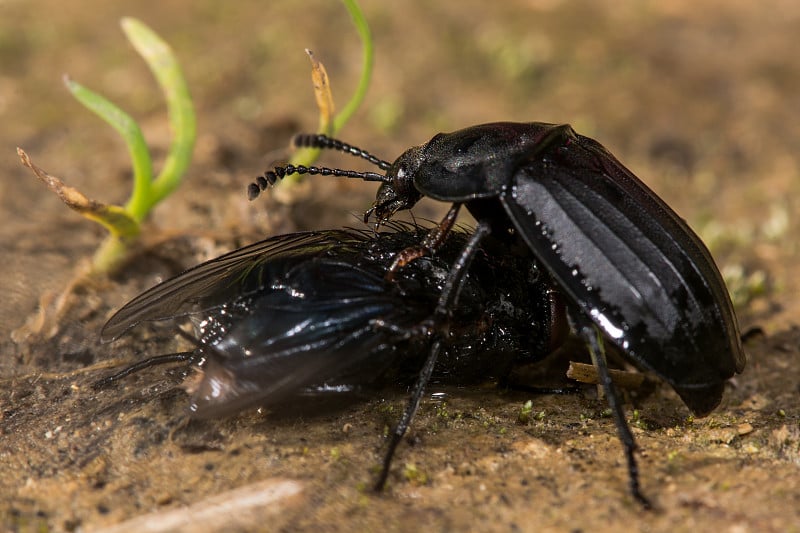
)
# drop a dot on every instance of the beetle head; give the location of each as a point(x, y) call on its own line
point(398, 191)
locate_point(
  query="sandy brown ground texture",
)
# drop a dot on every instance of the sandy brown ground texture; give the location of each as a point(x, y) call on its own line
point(700, 99)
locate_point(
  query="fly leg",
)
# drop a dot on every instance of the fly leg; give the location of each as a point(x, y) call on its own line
point(141, 365)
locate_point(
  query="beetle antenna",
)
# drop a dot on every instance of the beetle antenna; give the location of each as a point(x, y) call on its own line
point(323, 142)
point(271, 177)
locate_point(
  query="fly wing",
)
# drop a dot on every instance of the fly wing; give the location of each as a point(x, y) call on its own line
point(316, 328)
point(632, 265)
point(221, 280)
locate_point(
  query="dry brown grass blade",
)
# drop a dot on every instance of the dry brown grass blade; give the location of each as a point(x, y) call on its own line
point(322, 93)
point(113, 218)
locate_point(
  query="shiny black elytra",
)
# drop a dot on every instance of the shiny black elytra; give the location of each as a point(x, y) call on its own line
point(630, 267)
point(313, 314)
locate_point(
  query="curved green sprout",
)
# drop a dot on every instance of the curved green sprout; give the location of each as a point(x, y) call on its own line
point(147, 191)
point(124, 222)
point(366, 67)
point(330, 125)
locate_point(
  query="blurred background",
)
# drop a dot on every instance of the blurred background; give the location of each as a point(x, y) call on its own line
point(699, 99)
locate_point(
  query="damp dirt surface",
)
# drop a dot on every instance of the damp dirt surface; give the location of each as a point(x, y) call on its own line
point(699, 100)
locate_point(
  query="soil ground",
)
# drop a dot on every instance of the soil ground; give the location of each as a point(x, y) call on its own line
point(698, 99)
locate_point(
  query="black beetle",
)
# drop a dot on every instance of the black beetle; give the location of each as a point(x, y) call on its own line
point(313, 314)
point(629, 265)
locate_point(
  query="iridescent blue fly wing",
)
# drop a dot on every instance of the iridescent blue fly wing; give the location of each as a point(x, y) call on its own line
point(217, 282)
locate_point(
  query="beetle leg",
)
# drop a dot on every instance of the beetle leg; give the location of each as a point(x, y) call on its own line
point(447, 299)
point(411, 409)
point(594, 340)
point(432, 242)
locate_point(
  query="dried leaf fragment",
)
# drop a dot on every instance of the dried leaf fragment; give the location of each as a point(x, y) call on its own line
point(588, 374)
point(113, 218)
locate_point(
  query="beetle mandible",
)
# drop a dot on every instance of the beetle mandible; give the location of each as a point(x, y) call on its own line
point(631, 267)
